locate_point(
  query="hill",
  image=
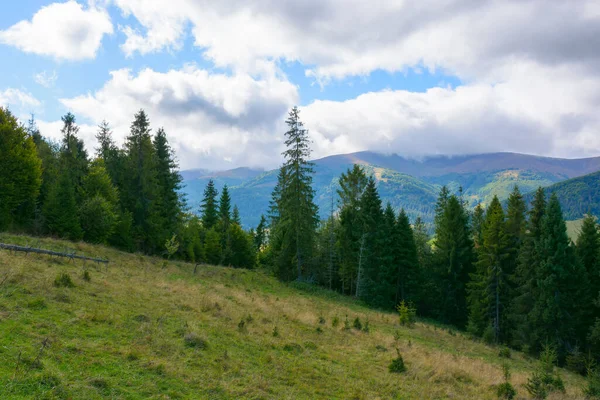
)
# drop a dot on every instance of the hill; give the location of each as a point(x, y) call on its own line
point(146, 328)
point(578, 196)
point(405, 183)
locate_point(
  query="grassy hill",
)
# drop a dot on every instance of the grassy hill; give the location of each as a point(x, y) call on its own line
point(405, 183)
point(145, 328)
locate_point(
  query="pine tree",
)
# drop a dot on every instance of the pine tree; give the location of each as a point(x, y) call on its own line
point(488, 291)
point(141, 189)
point(260, 237)
point(588, 251)
point(388, 277)
point(212, 246)
point(525, 276)
point(560, 299)
point(409, 280)
point(235, 217)
point(210, 213)
point(169, 185)
point(243, 254)
point(297, 214)
point(73, 156)
point(453, 258)
point(225, 208)
point(477, 224)
point(61, 211)
point(20, 176)
point(352, 185)
point(371, 243)
point(99, 211)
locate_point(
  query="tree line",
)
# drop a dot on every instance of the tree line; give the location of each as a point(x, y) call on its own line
point(506, 273)
point(128, 197)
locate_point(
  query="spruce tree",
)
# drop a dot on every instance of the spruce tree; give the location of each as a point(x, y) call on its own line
point(209, 210)
point(235, 216)
point(525, 283)
point(260, 237)
point(560, 297)
point(61, 211)
point(73, 156)
point(169, 185)
point(297, 213)
point(371, 243)
point(99, 211)
point(488, 291)
point(588, 251)
point(20, 176)
point(141, 190)
point(388, 276)
point(352, 185)
point(225, 208)
point(409, 279)
point(453, 258)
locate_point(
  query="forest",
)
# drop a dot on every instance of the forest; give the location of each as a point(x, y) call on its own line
point(507, 274)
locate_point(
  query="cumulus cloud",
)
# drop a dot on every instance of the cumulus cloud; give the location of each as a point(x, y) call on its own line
point(64, 31)
point(212, 120)
point(15, 97)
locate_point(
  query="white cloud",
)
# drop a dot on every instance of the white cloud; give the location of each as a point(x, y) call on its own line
point(46, 79)
point(64, 31)
point(213, 120)
point(15, 97)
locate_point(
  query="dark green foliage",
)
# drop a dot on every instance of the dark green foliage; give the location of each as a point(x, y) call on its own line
point(235, 216)
point(21, 172)
point(397, 365)
point(61, 211)
point(545, 379)
point(453, 258)
point(210, 212)
point(86, 276)
point(64, 280)
point(357, 324)
point(243, 254)
point(588, 251)
point(294, 216)
point(505, 390)
point(212, 247)
point(504, 353)
point(592, 390)
point(260, 236)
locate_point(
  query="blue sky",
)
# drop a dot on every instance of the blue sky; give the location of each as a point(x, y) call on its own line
point(391, 77)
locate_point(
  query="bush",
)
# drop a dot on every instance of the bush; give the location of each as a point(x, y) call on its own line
point(576, 361)
point(86, 276)
point(366, 327)
point(321, 320)
point(193, 340)
point(64, 280)
point(407, 314)
point(346, 324)
point(275, 332)
point(397, 364)
point(506, 390)
point(489, 336)
point(357, 324)
point(242, 326)
point(335, 321)
point(592, 391)
point(545, 379)
point(504, 353)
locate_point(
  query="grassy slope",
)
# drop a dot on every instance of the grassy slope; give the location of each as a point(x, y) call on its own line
point(121, 336)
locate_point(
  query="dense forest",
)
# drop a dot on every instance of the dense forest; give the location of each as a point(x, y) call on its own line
point(506, 274)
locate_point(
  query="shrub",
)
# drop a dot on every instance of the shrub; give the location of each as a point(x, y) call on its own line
point(192, 339)
point(407, 314)
point(505, 390)
point(504, 353)
point(242, 326)
point(64, 280)
point(335, 321)
point(489, 336)
point(347, 324)
point(397, 364)
point(322, 320)
point(592, 391)
point(86, 276)
point(319, 330)
point(275, 332)
point(357, 324)
point(545, 379)
point(576, 361)
point(366, 327)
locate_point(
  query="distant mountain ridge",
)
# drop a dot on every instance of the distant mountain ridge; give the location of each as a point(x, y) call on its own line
point(406, 183)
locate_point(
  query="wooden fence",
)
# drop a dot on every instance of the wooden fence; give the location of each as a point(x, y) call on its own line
point(71, 256)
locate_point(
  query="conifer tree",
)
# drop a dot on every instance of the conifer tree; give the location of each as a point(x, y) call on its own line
point(409, 279)
point(388, 277)
point(235, 216)
point(488, 290)
point(477, 224)
point(210, 213)
point(99, 211)
point(260, 236)
point(141, 190)
point(169, 183)
point(588, 251)
point(73, 156)
point(212, 246)
point(561, 297)
point(371, 243)
point(60, 209)
point(453, 258)
point(20, 176)
point(225, 208)
point(297, 214)
point(352, 185)
point(525, 276)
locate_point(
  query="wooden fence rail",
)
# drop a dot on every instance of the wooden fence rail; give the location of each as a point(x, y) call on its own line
point(71, 256)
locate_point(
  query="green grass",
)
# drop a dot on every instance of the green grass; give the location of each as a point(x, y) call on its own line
point(574, 228)
point(137, 330)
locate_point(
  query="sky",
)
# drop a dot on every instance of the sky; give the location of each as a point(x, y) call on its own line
point(395, 76)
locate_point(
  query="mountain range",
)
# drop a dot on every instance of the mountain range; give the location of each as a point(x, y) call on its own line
point(413, 184)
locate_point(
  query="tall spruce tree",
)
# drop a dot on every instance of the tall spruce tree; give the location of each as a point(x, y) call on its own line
point(235, 216)
point(525, 282)
point(169, 184)
point(409, 279)
point(141, 190)
point(352, 185)
point(21, 172)
point(369, 263)
point(209, 209)
point(488, 291)
point(297, 212)
point(260, 237)
point(388, 274)
point(224, 225)
point(588, 251)
point(561, 297)
point(453, 258)
point(73, 156)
